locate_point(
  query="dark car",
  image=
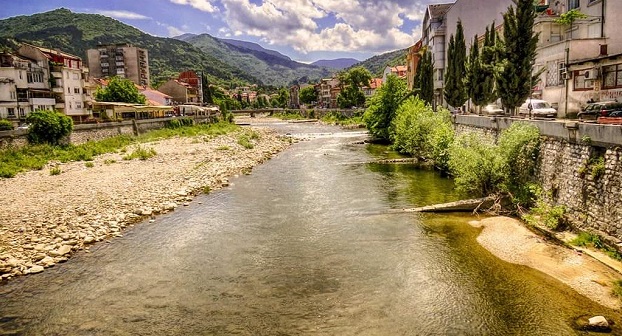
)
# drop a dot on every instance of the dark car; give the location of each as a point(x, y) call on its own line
point(601, 109)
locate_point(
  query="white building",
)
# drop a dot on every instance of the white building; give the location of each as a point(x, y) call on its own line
point(433, 37)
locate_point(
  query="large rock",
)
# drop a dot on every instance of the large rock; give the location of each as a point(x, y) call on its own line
point(35, 269)
point(598, 323)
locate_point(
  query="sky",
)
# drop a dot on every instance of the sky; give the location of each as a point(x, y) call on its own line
point(305, 30)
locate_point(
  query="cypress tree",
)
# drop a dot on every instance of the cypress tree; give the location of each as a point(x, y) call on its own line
point(455, 89)
point(516, 78)
point(476, 75)
point(425, 75)
point(488, 62)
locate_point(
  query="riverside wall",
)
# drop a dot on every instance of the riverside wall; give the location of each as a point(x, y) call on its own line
point(570, 168)
point(92, 132)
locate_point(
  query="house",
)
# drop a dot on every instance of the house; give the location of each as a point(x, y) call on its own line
point(155, 97)
point(24, 86)
point(412, 62)
point(329, 90)
point(121, 60)
point(374, 85)
point(66, 78)
point(399, 71)
point(186, 89)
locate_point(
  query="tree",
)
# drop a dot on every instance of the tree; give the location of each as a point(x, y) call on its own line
point(476, 77)
point(48, 127)
point(282, 99)
point(424, 80)
point(120, 90)
point(383, 106)
point(351, 83)
point(489, 57)
point(516, 78)
point(308, 95)
point(455, 89)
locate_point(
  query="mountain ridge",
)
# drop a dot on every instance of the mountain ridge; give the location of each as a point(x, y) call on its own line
point(337, 63)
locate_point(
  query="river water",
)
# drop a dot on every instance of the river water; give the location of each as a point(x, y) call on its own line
point(300, 247)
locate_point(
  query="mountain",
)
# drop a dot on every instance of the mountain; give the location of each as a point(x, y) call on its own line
point(254, 47)
point(268, 66)
point(339, 63)
point(376, 64)
point(76, 32)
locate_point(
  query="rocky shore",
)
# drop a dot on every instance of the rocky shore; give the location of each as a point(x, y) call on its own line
point(46, 217)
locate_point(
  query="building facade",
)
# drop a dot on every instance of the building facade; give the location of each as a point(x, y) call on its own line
point(122, 60)
point(412, 62)
point(433, 37)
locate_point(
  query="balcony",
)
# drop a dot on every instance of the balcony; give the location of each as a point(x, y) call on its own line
point(42, 101)
point(56, 74)
point(58, 90)
point(60, 106)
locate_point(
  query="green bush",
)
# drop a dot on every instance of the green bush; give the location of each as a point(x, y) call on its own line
point(179, 122)
point(419, 131)
point(48, 127)
point(245, 142)
point(89, 164)
point(55, 171)
point(5, 125)
point(141, 154)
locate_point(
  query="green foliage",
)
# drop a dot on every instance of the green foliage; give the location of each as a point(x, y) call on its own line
point(617, 288)
point(109, 161)
point(598, 168)
point(588, 239)
point(55, 171)
point(351, 83)
point(489, 58)
point(568, 18)
point(282, 99)
point(455, 90)
point(519, 147)
point(6, 125)
point(120, 90)
point(89, 164)
point(245, 142)
point(48, 127)
point(516, 78)
point(383, 107)
point(289, 115)
point(338, 118)
point(424, 82)
point(308, 95)
point(544, 213)
point(141, 153)
point(223, 148)
point(179, 122)
point(419, 131)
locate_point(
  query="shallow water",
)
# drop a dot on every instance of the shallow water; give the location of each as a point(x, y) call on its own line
point(300, 247)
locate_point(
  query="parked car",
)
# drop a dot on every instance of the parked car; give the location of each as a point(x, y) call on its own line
point(492, 109)
point(600, 109)
point(539, 108)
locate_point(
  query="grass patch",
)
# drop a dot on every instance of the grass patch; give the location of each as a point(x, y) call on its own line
point(141, 153)
point(587, 239)
point(289, 115)
point(617, 288)
point(206, 190)
point(223, 148)
point(245, 142)
point(109, 161)
point(89, 164)
point(35, 157)
point(337, 118)
point(55, 171)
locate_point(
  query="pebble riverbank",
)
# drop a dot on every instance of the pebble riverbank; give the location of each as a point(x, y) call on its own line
point(45, 217)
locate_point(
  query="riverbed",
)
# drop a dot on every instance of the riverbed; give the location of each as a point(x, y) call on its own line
point(302, 246)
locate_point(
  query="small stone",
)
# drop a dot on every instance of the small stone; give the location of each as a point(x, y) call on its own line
point(152, 221)
point(89, 239)
point(186, 204)
point(35, 269)
point(64, 250)
point(47, 261)
point(598, 323)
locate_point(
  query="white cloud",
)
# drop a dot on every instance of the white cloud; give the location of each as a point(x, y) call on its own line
point(174, 31)
point(122, 14)
point(362, 25)
point(202, 5)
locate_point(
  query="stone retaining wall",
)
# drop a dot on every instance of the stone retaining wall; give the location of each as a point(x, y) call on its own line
point(566, 169)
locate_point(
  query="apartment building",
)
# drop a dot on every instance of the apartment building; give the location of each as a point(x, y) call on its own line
point(66, 74)
point(398, 70)
point(122, 60)
point(24, 86)
point(329, 90)
point(583, 60)
point(433, 37)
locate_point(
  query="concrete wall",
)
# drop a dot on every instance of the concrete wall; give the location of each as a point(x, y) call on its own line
point(565, 168)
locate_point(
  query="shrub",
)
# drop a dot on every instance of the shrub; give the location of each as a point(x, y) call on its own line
point(141, 153)
point(109, 161)
point(55, 171)
point(89, 164)
point(551, 216)
point(598, 168)
point(245, 142)
point(48, 127)
point(6, 125)
point(179, 122)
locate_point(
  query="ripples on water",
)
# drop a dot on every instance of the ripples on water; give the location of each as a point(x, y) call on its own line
point(300, 247)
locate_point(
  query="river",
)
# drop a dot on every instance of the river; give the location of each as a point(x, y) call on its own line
point(302, 246)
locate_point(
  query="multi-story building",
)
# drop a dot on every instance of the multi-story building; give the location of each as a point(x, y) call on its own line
point(329, 90)
point(433, 37)
point(24, 86)
point(399, 71)
point(186, 89)
point(66, 78)
point(412, 62)
point(122, 60)
point(582, 60)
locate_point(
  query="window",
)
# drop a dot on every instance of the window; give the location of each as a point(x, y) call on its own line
point(581, 83)
point(11, 112)
point(68, 90)
point(21, 112)
point(78, 105)
point(13, 95)
point(20, 75)
point(612, 76)
point(555, 71)
point(572, 4)
point(76, 90)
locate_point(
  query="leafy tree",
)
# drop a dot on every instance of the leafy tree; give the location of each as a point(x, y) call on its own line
point(308, 95)
point(48, 127)
point(516, 77)
point(351, 83)
point(282, 99)
point(120, 90)
point(489, 58)
point(6, 125)
point(424, 80)
point(383, 106)
point(455, 91)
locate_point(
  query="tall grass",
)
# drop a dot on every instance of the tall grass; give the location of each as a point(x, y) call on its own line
point(35, 157)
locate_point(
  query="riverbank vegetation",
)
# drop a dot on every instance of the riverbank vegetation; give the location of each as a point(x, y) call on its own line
point(36, 156)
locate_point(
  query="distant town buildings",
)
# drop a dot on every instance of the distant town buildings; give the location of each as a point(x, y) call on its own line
point(121, 60)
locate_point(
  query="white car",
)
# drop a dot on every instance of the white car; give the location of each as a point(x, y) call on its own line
point(539, 108)
point(492, 109)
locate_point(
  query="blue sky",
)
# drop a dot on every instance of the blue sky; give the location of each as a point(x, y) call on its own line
point(305, 30)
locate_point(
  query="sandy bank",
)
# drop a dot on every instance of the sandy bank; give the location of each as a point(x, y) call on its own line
point(46, 217)
point(508, 239)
